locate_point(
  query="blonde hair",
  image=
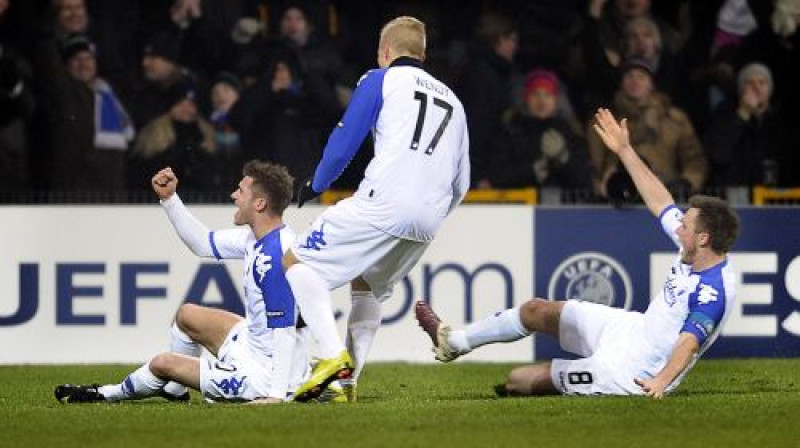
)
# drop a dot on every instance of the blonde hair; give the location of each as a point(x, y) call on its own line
point(405, 35)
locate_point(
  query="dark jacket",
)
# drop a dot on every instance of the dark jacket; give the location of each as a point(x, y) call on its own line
point(485, 91)
point(74, 161)
point(287, 127)
point(744, 152)
point(540, 152)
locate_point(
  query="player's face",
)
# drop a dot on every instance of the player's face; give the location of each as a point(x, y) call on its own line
point(690, 236)
point(244, 200)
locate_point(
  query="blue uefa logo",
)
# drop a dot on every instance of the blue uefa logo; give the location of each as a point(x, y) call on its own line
point(591, 277)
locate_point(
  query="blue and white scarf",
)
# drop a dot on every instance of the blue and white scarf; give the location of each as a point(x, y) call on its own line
point(112, 126)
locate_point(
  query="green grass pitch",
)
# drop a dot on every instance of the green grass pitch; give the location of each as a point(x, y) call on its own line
point(723, 403)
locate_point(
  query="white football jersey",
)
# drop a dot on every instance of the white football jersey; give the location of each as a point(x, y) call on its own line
point(268, 299)
point(694, 302)
point(420, 170)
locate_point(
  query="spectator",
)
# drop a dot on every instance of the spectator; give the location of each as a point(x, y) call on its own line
point(180, 139)
point(484, 87)
point(162, 74)
point(284, 116)
point(710, 57)
point(224, 94)
point(745, 141)
point(71, 17)
point(539, 146)
point(660, 132)
point(318, 56)
point(776, 44)
point(643, 41)
point(610, 35)
point(204, 31)
point(88, 147)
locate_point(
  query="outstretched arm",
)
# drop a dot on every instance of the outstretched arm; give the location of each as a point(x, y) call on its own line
point(682, 355)
point(615, 135)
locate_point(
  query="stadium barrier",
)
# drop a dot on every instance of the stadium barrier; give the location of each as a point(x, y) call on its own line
point(83, 284)
point(775, 196)
point(527, 196)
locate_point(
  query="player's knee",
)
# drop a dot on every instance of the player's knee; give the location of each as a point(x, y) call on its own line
point(162, 365)
point(540, 315)
point(185, 317)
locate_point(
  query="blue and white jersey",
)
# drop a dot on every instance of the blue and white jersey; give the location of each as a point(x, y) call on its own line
point(269, 303)
point(690, 301)
point(420, 170)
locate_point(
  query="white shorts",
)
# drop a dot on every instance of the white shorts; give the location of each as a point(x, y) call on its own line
point(604, 337)
point(236, 374)
point(341, 245)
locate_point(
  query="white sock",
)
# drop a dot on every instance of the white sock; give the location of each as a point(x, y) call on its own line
point(505, 326)
point(180, 342)
point(362, 325)
point(141, 383)
point(314, 301)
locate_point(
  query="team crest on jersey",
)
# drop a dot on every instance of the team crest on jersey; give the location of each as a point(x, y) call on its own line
point(262, 263)
point(591, 277)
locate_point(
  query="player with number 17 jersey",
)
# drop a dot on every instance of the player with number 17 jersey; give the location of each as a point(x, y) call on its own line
point(420, 171)
point(418, 175)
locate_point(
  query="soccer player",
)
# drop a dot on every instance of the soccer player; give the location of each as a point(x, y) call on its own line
point(419, 174)
point(259, 357)
point(624, 353)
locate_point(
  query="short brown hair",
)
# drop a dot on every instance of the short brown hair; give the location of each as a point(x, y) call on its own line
point(405, 35)
point(718, 219)
point(272, 180)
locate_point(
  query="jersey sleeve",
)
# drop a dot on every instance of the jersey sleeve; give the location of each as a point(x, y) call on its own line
point(343, 143)
point(229, 243)
point(670, 219)
point(706, 309)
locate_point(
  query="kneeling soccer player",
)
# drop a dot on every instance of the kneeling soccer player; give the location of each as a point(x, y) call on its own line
point(261, 357)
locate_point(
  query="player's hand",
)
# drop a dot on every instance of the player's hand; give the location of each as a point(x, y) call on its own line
point(652, 387)
point(614, 134)
point(266, 400)
point(305, 193)
point(165, 183)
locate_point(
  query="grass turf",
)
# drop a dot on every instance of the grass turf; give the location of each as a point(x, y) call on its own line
point(723, 403)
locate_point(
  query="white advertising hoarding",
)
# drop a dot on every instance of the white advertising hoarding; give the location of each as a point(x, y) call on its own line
point(96, 284)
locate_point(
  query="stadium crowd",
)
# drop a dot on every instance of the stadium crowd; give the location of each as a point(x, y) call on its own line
point(97, 95)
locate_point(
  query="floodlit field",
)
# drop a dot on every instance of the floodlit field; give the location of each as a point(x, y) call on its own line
point(732, 403)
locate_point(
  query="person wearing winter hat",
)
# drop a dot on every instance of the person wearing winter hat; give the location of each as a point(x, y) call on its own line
point(662, 134)
point(538, 145)
point(747, 137)
point(180, 139)
point(88, 151)
point(162, 72)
